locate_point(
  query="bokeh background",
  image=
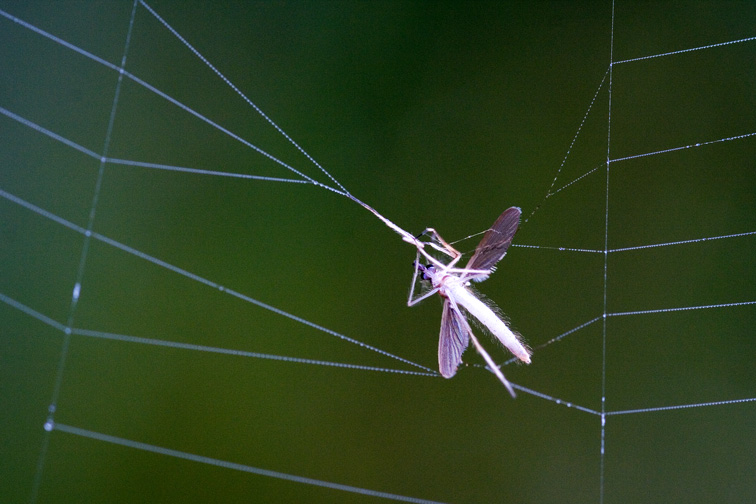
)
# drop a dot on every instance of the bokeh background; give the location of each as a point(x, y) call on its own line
point(437, 114)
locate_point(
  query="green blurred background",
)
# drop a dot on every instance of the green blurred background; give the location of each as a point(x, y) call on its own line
point(437, 114)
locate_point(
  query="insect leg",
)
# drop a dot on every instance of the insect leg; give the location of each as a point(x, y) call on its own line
point(482, 351)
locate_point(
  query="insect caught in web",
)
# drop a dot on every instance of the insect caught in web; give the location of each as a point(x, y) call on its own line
point(453, 285)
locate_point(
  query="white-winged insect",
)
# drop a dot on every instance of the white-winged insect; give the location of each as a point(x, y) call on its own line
point(453, 285)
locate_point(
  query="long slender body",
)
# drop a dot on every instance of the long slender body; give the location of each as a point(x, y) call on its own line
point(453, 287)
point(452, 284)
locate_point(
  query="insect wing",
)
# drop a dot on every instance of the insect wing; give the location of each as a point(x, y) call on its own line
point(494, 244)
point(452, 341)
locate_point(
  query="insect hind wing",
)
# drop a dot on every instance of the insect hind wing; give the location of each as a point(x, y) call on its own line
point(452, 341)
point(494, 244)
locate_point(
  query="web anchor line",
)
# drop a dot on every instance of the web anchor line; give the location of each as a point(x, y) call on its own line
point(683, 147)
point(197, 278)
point(243, 96)
point(198, 171)
point(681, 51)
point(140, 164)
point(549, 192)
point(657, 409)
point(727, 402)
point(638, 247)
point(648, 154)
point(653, 409)
point(682, 308)
point(123, 73)
point(160, 450)
point(195, 347)
point(684, 242)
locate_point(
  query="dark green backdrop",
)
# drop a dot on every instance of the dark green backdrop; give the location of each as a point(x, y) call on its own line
point(438, 114)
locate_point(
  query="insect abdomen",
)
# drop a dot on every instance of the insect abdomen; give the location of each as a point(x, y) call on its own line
point(488, 318)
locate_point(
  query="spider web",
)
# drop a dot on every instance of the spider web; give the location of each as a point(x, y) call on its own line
point(199, 310)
